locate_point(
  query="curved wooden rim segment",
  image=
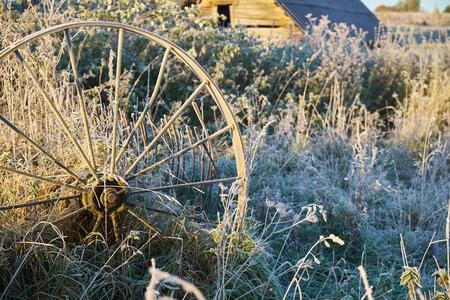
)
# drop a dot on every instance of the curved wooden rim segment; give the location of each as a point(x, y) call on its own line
point(190, 62)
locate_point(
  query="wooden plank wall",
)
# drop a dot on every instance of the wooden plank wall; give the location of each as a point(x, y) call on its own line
point(262, 17)
point(209, 7)
point(276, 34)
point(260, 12)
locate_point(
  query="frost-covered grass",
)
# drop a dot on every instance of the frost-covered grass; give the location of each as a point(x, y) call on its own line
point(348, 150)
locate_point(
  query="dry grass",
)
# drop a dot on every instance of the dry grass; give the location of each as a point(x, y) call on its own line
point(417, 19)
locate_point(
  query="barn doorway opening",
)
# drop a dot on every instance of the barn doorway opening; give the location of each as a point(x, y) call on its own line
point(224, 10)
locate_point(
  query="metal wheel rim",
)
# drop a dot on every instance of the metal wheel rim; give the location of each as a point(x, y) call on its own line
point(192, 64)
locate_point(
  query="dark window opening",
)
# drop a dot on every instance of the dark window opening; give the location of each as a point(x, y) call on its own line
point(224, 11)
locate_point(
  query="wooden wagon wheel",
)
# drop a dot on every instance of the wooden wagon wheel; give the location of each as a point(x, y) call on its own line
point(112, 155)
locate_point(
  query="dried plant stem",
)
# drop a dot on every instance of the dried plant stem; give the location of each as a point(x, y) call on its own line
point(447, 237)
point(158, 276)
point(365, 281)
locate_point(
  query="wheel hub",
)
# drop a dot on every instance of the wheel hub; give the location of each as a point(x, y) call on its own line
point(107, 197)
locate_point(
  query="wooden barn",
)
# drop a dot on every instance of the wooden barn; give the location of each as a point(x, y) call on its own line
point(288, 18)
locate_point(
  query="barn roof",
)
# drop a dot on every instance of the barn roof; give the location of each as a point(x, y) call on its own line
point(350, 12)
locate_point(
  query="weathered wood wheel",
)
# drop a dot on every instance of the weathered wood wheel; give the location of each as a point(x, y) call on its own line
point(116, 149)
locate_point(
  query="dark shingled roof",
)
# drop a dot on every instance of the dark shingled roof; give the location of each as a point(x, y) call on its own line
point(350, 12)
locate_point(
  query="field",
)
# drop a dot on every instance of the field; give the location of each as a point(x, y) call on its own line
point(419, 19)
point(347, 152)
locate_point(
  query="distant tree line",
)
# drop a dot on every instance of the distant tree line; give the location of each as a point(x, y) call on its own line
point(401, 6)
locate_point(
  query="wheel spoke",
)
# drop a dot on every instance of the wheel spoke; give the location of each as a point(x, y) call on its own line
point(116, 229)
point(76, 188)
point(98, 221)
point(116, 100)
point(148, 106)
point(173, 214)
point(57, 113)
point(80, 95)
point(184, 185)
point(166, 126)
point(140, 219)
point(74, 213)
point(35, 202)
point(39, 148)
point(181, 152)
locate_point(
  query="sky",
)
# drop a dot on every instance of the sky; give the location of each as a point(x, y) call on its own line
point(428, 5)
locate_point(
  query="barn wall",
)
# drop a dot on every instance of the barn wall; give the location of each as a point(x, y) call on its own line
point(209, 7)
point(279, 33)
point(262, 17)
point(260, 12)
